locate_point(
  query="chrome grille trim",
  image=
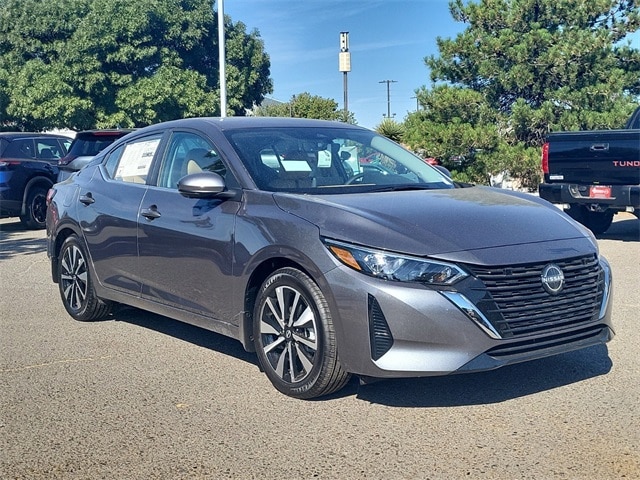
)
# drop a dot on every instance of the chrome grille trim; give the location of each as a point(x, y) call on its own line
point(519, 306)
point(472, 311)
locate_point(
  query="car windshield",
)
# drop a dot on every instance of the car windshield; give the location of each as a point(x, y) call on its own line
point(331, 160)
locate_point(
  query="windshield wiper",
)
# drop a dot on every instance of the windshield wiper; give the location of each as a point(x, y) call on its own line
point(406, 187)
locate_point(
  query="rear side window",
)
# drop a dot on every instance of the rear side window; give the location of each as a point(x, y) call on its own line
point(131, 161)
point(20, 148)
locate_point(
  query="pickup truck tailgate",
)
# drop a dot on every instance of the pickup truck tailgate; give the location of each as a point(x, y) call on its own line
point(610, 156)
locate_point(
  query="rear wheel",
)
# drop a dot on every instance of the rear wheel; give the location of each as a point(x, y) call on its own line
point(76, 285)
point(599, 222)
point(36, 209)
point(294, 336)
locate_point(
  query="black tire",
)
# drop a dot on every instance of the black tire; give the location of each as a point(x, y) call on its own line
point(294, 336)
point(578, 213)
point(36, 209)
point(76, 285)
point(599, 222)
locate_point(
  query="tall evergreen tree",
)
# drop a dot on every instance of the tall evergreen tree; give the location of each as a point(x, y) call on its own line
point(521, 69)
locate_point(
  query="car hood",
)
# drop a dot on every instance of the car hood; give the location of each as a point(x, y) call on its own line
point(476, 225)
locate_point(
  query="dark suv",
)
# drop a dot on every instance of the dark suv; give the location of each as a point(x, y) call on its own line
point(85, 146)
point(28, 168)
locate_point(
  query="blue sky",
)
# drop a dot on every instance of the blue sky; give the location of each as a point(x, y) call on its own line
point(388, 40)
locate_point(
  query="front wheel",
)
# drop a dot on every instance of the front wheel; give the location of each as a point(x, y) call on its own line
point(294, 336)
point(76, 285)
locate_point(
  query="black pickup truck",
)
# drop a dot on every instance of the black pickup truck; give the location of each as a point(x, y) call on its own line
point(595, 174)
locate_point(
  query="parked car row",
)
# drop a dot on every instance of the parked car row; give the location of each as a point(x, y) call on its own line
point(30, 163)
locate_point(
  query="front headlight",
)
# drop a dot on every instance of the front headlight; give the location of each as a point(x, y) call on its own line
point(391, 266)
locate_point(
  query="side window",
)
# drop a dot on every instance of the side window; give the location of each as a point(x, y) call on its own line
point(22, 148)
point(66, 144)
point(188, 153)
point(112, 161)
point(131, 162)
point(48, 149)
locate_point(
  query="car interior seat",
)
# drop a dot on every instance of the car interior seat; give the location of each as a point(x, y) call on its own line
point(47, 153)
point(195, 161)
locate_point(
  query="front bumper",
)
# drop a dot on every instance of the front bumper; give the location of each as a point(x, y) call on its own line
point(389, 329)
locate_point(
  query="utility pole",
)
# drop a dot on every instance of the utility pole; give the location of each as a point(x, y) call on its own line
point(388, 82)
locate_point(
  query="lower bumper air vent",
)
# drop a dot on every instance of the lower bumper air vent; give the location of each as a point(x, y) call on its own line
point(379, 333)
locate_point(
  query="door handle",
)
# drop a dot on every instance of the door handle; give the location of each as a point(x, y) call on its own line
point(150, 213)
point(599, 147)
point(87, 199)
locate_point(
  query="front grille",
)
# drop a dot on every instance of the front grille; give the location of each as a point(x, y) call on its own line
point(518, 305)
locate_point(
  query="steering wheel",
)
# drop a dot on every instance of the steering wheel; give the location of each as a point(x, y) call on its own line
point(355, 178)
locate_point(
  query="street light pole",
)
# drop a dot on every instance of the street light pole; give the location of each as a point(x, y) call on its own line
point(344, 65)
point(221, 60)
point(388, 82)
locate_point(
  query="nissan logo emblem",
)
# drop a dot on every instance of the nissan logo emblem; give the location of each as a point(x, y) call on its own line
point(552, 279)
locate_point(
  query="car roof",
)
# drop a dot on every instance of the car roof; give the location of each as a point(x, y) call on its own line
point(237, 123)
point(16, 135)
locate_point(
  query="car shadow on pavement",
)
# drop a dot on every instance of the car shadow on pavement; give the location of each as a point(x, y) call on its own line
point(13, 244)
point(183, 331)
point(445, 391)
point(495, 386)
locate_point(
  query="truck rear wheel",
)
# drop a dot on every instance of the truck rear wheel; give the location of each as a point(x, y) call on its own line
point(599, 222)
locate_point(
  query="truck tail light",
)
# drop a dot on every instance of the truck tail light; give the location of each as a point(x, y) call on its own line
point(545, 158)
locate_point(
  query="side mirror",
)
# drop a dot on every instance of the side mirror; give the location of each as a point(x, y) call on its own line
point(443, 170)
point(204, 185)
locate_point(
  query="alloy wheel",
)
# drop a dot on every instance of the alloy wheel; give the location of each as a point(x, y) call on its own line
point(288, 329)
point(73, 277)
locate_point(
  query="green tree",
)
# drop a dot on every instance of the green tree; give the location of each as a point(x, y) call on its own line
point(521, 69)
point(102, 63)
point(305, 105)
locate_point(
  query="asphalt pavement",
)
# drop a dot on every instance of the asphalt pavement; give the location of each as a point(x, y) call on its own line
point(140, 396)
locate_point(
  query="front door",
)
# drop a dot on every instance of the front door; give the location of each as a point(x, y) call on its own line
point(186, 244)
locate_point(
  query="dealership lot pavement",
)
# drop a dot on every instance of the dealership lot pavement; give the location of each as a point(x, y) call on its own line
point(143, 397)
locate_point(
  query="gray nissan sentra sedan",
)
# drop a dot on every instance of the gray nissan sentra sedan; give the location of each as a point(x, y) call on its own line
point(273, 232)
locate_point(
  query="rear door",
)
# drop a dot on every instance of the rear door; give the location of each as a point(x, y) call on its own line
point(108, 205)
point(186, 244)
